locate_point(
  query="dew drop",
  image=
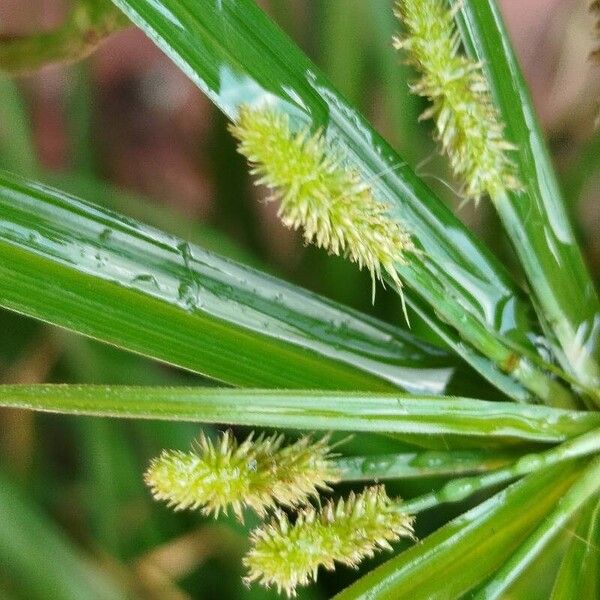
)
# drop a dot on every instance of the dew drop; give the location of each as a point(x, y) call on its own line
point(105, 234)
point(458, 490)
point(146, 278)
point(188, 294)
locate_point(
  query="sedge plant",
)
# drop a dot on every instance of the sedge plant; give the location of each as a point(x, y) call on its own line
point(475, 456)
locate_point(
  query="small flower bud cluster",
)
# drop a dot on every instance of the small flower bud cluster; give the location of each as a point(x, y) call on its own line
point(286, 555)
point(263, 474)
point(320, 194)
point(468, 125)
point(257, 474)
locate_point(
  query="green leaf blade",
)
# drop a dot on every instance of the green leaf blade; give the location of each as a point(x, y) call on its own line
point(109, 277)
point(431, 463)
point(504, 422)
point(586, 486)
point(40, 558)
point(579, 571)
point(453, 560)
point(536, 219)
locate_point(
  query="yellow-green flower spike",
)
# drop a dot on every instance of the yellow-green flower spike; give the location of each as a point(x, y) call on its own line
point(319, 193)
point(257, 474)
point(468, 125)
point(285, 555)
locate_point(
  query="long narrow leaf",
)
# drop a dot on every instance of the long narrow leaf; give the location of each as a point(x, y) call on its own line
point(579, 573)
point(460, 489)
point(586, 486)
point(41, 560)
point(535, 218)
point(486, 368)
point(90, 270)
point(233, 52)
point(346, 411)
point(421, 464)
point(16, 142)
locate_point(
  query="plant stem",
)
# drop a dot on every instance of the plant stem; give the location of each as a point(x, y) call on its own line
point(460, 489)
point(420, 464)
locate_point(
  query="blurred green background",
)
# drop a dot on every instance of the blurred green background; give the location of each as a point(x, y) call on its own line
point(127, 130)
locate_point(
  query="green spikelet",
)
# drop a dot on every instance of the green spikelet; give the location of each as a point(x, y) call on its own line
point(258, 474)
point(286, 555)
point(468, 125)
point(319, 194)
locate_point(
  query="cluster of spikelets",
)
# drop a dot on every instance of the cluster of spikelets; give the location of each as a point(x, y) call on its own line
point(319, 193)
point(263, 474)
point(257, 474)
point(468, 126)
point(286, 555)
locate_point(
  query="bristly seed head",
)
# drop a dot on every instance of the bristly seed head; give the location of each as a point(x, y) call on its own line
point(319, 193)
point(258, 474)
point(468, 125)
point(286, 555)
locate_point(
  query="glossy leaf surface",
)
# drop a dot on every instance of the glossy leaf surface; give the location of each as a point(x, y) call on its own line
point(430, 463)
point(79, 266)
point(453, 560)
point(345, 411)
point(535, 218)
point(579, 571)
point(585, 487)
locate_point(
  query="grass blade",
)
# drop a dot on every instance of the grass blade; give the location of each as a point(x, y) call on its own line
point(17, 152)
point(536, 219)
point(450, 562)
point(41, 560)
point(579, 572)
point(587, 485)
point(460, 489)
point(308, 410)
point(87, 269)
point(486, 368)
point(421, 464)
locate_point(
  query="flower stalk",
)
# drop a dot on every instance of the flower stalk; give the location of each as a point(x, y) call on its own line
point(87, 25)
